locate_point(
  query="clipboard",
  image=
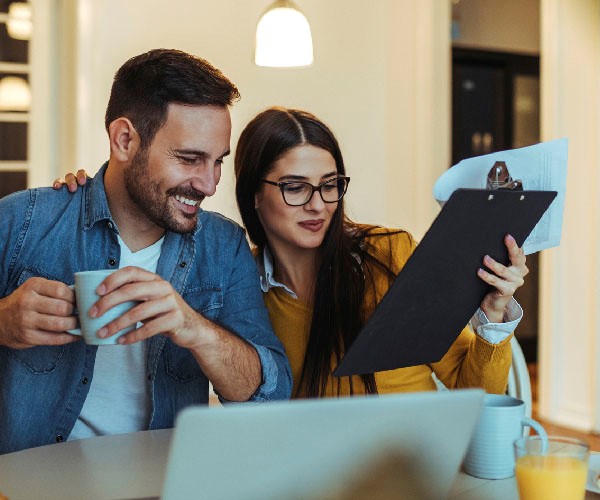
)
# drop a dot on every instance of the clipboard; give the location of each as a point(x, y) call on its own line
point(438, 290)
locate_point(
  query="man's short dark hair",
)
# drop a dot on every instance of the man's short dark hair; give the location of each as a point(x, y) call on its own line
point(146, 84)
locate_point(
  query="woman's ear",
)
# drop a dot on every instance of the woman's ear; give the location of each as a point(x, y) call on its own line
point(124, 139)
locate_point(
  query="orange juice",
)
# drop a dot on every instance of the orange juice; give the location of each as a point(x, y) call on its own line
point(551, 477)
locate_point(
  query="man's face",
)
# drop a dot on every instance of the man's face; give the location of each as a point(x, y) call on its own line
point(182, 165)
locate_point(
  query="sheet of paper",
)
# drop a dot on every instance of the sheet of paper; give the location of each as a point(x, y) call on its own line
point(542, 167)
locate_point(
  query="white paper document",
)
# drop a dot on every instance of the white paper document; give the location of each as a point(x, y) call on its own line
point(542, 167)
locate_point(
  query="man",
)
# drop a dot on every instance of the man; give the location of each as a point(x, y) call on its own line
point(201, 315)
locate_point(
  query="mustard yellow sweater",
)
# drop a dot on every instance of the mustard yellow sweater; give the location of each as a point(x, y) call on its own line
point(470, 362)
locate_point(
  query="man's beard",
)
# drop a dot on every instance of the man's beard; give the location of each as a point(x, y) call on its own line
point(154, 203)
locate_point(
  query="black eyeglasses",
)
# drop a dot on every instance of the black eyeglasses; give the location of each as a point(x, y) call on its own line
point(298, 193)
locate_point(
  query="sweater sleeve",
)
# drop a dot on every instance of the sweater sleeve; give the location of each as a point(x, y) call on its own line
point(471, 361)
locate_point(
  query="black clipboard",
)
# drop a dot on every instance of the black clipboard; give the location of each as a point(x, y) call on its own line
point(438, 290)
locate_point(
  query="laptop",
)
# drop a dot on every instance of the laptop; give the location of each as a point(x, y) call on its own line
point(323, 448)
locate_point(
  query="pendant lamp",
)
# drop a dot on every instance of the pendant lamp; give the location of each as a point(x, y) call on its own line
point(283, 37)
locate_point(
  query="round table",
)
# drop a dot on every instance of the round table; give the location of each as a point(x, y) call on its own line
point(132, 466)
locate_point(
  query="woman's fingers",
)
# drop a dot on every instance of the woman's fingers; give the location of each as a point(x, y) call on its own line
point(516, 254)
point(81, 177)
point(72, 181)
point(504, 288)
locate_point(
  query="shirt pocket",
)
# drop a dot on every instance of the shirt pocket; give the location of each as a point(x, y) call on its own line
point(38, 359)
point(206, 299)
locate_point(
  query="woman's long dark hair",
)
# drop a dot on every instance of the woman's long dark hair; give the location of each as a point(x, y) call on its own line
point(346, 264)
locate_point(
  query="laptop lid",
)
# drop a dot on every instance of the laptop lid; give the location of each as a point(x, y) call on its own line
point(307, 449)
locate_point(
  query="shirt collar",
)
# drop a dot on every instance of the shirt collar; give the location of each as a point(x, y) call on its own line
point(96, 208)
point(264, 262)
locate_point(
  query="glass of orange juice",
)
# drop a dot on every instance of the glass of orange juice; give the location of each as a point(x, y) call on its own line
point(556, 470)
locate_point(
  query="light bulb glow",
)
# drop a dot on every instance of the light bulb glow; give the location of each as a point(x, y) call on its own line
point(283, 39)
point(15, 94)
point(18, 24)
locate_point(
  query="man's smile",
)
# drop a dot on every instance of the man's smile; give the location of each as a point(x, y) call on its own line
point(187, 201)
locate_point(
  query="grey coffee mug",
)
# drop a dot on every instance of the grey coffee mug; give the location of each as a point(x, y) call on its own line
point(85, 286)
point(501, 423)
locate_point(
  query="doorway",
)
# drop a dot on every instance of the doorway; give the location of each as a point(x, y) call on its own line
point(496, 106)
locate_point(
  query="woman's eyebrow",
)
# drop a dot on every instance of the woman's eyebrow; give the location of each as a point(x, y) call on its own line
point(291, 177)
point(303, 178)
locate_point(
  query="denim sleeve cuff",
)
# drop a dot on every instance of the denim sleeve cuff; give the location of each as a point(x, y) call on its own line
point(269, 375)
point(495, 333)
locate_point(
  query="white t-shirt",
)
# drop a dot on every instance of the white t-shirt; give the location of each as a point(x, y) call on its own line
point(119, 398)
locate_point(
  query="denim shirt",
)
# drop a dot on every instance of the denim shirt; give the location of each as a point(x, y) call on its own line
point(53, 235)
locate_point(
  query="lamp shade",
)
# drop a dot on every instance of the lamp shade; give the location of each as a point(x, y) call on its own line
point(14, 94)
point(18, 23)
point(283, 37)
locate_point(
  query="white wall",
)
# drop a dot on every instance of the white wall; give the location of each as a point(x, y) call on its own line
point(505, 25)
point(380, 79)
point(570, 326)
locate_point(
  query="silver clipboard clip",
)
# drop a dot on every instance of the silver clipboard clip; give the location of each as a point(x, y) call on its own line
point(499, 178)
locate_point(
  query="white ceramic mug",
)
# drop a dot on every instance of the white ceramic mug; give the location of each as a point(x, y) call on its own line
point(502, 421)
point(85, 286)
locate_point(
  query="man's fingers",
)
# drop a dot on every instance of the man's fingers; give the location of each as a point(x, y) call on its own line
point(64, 338)
point(52, 306)
point(141, 312)
point(129, 274)
point(159, 324)
point(138, 292)
point(57, 183)
point(36, 338)
point(39, 335)
point(49, 288)
point(50, 323)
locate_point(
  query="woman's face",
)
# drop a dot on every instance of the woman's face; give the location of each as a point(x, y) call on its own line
point(301, 227)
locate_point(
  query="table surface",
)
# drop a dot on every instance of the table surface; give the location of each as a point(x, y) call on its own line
point(131, 466)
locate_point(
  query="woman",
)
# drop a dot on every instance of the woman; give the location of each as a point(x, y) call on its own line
point(323, 275)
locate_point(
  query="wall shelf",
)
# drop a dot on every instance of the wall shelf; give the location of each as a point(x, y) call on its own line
point(13, 166)
point(12, 67)
point(8, 116)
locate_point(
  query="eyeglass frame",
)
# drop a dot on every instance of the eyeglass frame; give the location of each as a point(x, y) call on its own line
point(282, 184)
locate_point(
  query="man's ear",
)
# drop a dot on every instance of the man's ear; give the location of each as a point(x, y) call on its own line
point(124, 139)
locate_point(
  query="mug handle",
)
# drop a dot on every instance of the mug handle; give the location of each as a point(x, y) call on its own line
point(75, 331)
point(539, 430)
